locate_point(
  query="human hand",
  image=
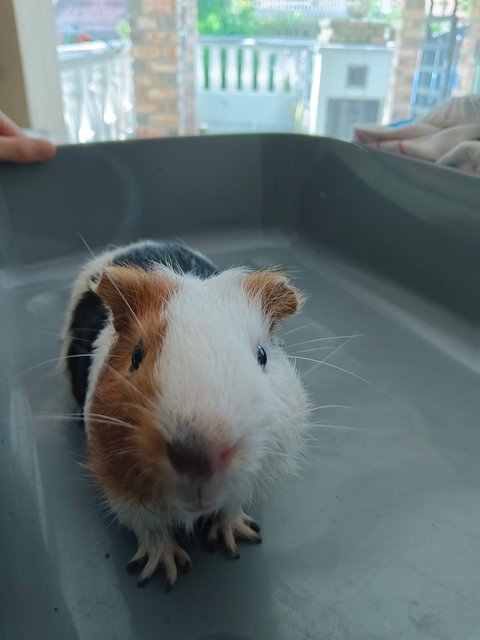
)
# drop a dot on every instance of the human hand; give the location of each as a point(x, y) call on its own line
point(16, 147)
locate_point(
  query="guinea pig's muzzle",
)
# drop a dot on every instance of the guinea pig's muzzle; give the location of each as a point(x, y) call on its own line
point(201, 468)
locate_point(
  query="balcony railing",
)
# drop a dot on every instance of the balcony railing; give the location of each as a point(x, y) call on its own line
point(253, 84)
point(97, 90)
point(242, 85)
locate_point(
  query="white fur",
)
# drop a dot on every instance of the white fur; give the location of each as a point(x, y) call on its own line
point(210, 383)
point(101, 349)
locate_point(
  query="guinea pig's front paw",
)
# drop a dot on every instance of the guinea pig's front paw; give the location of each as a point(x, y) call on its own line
point(159, 552)
point(228, 528)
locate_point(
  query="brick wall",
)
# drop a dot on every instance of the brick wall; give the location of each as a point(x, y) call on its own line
point(164, 41)
point(187, 25)
point(407, 46)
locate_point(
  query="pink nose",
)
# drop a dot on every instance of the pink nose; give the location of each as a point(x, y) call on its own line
point(189, 460)
point(222, 461)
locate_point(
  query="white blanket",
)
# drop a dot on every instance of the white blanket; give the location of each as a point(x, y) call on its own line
point(448, 135)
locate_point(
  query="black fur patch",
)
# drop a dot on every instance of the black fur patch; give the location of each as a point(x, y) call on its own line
point(177, 256)
point(89, 318)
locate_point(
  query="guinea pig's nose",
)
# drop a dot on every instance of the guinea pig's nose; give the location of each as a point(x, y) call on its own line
point(188, 458)
point(222, 461)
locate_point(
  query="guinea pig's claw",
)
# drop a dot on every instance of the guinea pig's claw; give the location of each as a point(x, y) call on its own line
point(166, 554)
point(214, 546)
point(186, 568)
point(230, 529)
point(143, 583)
point(136, 564)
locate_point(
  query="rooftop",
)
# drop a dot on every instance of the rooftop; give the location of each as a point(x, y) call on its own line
point(320, 8)
point(89, 16)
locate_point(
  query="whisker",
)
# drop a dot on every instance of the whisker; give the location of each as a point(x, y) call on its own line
point(51, 333)
point(350, 373)
point(305, 358)
point(272, 452)
point(340, 346)
point(58, 416)
point(62, 337)
point(115, 454)
point(117, 373)
point(116, 287)
point(119, 423)
point(75, 417)
point(334, 366)
point(298, 344)
point(332, 353)
point(333, 406)
point(341, 427)
point(296, 329)
point(137, 407)
point(101, 416)
point(313, 349)
point(59, 359)
point(146, 398)
point(319, 447)
point(309, 438)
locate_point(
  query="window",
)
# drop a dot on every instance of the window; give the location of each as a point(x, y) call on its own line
point(357, 77)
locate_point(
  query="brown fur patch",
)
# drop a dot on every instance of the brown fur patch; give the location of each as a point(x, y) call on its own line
point(130, 463)
point(278, 297)
point(130, 292)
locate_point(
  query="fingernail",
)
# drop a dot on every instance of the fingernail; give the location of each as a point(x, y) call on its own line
point(43, 149)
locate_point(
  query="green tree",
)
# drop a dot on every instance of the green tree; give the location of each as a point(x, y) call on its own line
point(238, 18)
point(226, 17)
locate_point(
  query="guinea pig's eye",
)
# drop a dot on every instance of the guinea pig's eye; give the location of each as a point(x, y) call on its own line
point(261, 356)
point(137, 356)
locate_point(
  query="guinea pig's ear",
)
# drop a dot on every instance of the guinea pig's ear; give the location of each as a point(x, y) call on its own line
point(279, 298)
point(130, 292)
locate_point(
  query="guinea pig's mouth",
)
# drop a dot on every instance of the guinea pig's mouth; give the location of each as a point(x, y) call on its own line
point(199, 507)
point(202, 500)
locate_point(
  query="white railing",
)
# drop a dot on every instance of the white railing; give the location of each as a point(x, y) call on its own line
point(242, 85)
point(97, 90)
point(253, 84)
point(268, 65)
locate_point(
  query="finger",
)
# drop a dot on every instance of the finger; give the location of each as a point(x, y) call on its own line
point(8, 126)
point(20, 149)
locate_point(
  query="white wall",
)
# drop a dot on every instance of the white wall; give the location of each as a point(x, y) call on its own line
point(29, 70)
point(334, 72)
point(245, 112)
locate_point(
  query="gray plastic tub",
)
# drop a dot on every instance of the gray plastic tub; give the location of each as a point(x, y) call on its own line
point(379, 537)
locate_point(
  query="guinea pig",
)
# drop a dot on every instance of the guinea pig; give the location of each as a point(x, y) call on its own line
point(191, 406)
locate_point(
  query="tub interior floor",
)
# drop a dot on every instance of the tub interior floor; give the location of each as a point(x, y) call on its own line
point(377, 538)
